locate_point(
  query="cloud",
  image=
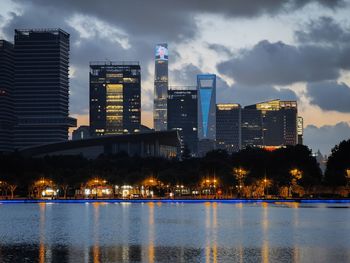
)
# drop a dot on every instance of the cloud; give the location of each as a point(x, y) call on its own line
point(128, 31)
point(243, 94)
point(326, 137)
point(330, 95)
point(324, 30)
point(322, 52)
point(281, 64)
point(220, 49)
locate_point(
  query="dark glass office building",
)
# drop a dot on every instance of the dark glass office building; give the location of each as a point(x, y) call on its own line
point(7, 116)
point(228, 127)
point(279, 122)
point(115, 98)
point(160, 87)
point(251, 128)
point(41, 87)
point(183, 117)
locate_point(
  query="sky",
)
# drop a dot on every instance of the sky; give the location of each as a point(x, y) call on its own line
point(260, 50)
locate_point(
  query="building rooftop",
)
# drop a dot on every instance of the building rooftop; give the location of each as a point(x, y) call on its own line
point(114, 63)
point(41, 30)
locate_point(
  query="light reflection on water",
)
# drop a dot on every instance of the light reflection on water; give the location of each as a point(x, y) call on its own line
point(170, 232)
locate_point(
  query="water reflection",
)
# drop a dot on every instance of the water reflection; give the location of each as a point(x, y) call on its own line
point(26, 253)
point(151, 232)
point(265, 227)
point(156, 232)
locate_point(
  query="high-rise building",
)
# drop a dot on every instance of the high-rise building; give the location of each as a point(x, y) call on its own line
point(115, 98)
point(182, 116)
point(160, 87)
point(251, 128)
point(279, 122)
point(228, 127)
point(7, 116)
point(41, 87)
point(206, 91)
point(300, 129)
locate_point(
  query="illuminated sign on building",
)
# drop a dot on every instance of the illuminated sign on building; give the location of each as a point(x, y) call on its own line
point(162, 52)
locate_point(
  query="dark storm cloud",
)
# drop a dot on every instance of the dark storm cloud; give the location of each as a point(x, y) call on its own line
point(279, 63)
point(220, 49)
point(324, 30)
point(98, 47)
point(144, 22)
point(326, 137)
point(330, 95)
point(323, 51)
point(171, 19)
point(242, 94)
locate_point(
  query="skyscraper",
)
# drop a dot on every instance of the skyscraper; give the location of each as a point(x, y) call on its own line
point(7, 116)
point(160, 87)
point(115, 97)
point(182, 116)
point(279, 122)
point(251, 128)
point(228, 127)
point(41, 87)
point(206, 90)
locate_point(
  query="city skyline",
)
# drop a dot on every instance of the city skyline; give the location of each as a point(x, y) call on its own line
point(203, 48)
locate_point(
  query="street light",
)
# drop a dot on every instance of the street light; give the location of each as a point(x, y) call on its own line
point(348, 176)
point(240, 174)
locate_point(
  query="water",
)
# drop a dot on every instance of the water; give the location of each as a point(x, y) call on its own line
point(174, 232)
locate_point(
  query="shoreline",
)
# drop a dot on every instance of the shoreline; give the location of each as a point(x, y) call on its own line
point(228, 201)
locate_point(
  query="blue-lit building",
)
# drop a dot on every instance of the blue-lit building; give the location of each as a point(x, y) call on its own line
point(206, 90)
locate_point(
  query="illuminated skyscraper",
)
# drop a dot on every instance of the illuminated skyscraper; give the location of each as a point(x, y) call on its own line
point(41, 87)
point(206, 91)
point(115, 98)
point(160, 87)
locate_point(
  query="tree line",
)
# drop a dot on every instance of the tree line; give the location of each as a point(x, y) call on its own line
point(259, 164)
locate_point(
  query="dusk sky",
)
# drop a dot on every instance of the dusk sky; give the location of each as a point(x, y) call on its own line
point(260, 50)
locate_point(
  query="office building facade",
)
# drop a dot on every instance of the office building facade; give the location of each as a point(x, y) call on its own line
point(160, 87)
point(251, 128)
point(206, 91)
point(115, 98)
point(279, 122)
point(183, 117)
point(7, 114)
point(41, 87)
point(228, 127)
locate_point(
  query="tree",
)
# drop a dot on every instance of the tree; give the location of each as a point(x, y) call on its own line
point(338, 164)
point(12, 188)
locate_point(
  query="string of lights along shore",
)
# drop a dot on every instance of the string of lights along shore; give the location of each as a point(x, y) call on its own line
point(34, 108)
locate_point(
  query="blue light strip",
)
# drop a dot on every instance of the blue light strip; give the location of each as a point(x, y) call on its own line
point(82, 201)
